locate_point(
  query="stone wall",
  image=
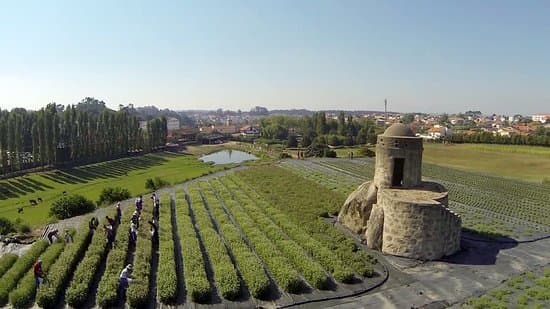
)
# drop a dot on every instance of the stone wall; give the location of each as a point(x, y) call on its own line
point(388, 148)
point(418, 229)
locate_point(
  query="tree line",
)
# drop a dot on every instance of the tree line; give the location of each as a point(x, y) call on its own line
point(76, 134)
point(311, 131)
point(537, 139)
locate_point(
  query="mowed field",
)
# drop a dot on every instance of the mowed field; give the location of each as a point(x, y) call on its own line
point(529, 163)
point(129, 173)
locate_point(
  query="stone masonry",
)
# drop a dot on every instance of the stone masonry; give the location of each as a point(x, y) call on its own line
point(397, 212)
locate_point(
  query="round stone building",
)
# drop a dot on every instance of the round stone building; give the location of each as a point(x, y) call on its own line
point(398, 213)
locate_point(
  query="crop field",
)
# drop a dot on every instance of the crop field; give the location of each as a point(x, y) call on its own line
point(527, 290)
point(221, 241)
point(489, 205)
point(129, 173)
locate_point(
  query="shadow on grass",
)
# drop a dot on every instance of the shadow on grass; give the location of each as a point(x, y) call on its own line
point(16, 187)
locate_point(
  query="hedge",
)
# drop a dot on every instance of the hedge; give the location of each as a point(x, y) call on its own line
point(248, 264)
point(58, 276)
point(277, 263)
point(340, 271)
point(6, 261)
point(19, 269)
point(107, 290)
point(196, 282)
point(71, 206)
point(167, 282)
point(225, 275)
point(79, 287)
point(137, 294)
point(312, 271)
point(23, 295)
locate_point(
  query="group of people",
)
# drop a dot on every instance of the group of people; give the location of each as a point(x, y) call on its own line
point(125, 275)
point(53, 236)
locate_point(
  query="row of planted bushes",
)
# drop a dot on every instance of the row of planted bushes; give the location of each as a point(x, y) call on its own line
point(79, 288)
point(107, 289)
point(320, 251)
point(137, 294)
point(278, 264)
point(19, 269)
point(301, 199)
point(6, 261)
point(196, 282)
point(23, 295)
point(312, 271)
point(250, 267)
point(167, 282)
point(58, 276)
point(225, 275)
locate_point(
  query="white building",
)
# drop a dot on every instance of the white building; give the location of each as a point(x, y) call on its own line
point(143, 125)
point(542, 118)
point(172, 123)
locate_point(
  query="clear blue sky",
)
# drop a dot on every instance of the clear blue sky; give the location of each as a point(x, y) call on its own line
point(430, 56)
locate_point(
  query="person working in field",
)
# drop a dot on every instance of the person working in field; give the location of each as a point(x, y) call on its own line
point(125, 276)
point(93, 223)
point(52, 236)
point(135, 218)
point(68, 237)
point(154, 230)
point(38, 273)
point(110, 220)
point(139, 203)
point(118, 213)
point(109, 233)
point(133, 233)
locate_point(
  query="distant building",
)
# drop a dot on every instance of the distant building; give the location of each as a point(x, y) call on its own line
point(250, 131)
point(542, 118)
point(436, 132)
point(172, 123)
point(143, 125)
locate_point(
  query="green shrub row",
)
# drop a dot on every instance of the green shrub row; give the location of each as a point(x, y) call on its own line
point(70, 206)
point(196, 282)
point(225, 275)
point(79, 287)
point(319, 250)
point(250, 267)
point(19, 269)
point(167, 281)
point(107, 289)
point(312, 271)
point(58, 276)
point(277, 263)
point(6, 261)
point(113, 194)
point(302, 200)
point(23, 295)
point(137, 294)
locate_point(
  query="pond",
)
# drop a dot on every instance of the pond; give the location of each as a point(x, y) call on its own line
point(228, 157)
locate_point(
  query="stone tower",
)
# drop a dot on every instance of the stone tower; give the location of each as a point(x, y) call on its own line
point(398, 158)
point(397, 212)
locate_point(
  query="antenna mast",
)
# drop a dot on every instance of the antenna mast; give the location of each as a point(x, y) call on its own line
point(385, 112)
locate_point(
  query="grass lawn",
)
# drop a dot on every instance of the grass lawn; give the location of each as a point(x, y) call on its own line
point(530, 163)
point(129, 173)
